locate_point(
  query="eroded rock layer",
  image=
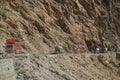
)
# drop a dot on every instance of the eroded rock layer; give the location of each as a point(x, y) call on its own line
point(77, 25)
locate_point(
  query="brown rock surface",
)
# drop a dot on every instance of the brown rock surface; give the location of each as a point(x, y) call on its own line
point(77, 25)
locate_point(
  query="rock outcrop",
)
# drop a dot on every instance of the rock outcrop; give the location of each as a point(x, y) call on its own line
point(77, 25)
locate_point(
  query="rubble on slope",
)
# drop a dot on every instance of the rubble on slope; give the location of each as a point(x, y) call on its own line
point(69, 67)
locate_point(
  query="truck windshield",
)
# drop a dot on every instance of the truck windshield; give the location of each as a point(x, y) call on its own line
point(9, 47)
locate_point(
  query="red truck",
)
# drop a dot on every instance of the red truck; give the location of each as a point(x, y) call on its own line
point(13, 46)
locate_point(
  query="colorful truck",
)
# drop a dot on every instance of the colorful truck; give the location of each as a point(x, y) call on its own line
point(13, 46)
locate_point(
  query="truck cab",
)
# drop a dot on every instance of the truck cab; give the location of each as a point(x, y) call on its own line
point(13, 46)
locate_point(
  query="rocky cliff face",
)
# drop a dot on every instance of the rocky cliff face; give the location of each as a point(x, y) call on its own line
point(78, 67)
point(77, 25)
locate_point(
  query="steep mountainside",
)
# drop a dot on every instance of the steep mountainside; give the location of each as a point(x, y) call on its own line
point(77, 25)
